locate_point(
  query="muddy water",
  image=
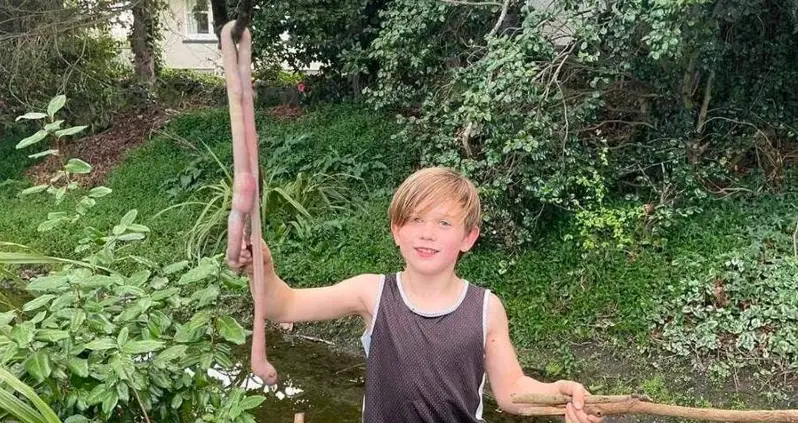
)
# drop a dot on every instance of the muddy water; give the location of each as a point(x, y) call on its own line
point(327, 386)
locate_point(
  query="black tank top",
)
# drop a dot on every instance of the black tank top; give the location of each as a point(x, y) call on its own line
point(423, 367)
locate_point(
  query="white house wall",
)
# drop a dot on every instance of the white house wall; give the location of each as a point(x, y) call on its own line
point(183, 52)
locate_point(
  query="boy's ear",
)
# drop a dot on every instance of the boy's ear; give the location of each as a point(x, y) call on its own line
point(470, 239)
point(394, 231)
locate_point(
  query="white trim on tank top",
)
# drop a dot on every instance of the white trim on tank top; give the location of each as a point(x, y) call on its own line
point(432, 314)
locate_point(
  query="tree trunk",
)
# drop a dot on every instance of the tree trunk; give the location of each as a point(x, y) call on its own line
point(143, 50)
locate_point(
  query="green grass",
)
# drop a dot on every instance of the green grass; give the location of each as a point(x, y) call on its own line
point(551, 292)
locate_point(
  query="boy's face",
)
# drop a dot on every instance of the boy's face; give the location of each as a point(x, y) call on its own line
point(432, 239)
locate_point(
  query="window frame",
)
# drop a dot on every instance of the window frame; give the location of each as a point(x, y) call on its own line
point(189, 15)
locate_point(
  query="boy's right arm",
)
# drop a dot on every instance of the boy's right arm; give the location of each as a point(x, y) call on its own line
point(353, 296)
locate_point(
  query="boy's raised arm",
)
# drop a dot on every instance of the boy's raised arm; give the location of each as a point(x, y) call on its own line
point(353, 296)
point(507, 378)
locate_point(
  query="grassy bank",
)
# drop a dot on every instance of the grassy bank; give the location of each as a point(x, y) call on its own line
point(570, 313)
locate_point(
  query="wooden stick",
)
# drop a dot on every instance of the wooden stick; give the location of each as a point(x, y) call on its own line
point(600, 405)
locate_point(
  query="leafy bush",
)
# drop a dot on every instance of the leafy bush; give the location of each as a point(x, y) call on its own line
point(178, 86)
point(573, 108)
point(81, 64)
point(290, 204)
point(737, 306)
point(107, 345)
point(101, 341)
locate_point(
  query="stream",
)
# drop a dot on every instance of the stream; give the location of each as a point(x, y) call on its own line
point(315, 379)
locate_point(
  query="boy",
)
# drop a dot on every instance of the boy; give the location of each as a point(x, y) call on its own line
point(431, 338)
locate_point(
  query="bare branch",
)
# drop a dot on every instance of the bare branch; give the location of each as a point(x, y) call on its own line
point(472, 3)
point(502, 15)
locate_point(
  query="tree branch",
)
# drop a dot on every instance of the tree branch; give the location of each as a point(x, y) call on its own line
point(502, 15)
point(471, 3)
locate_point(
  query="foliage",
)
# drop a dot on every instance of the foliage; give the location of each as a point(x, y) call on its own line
point(104, 344)
point(290, 203)
point(318, 31)
point(176, 86)
point(62, 181)
point(79, 63)
point(737, 306)
point(578, 106)
point(99, 342)
point(13, 406)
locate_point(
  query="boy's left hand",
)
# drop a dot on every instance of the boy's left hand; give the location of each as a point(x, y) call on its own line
point(574, 410)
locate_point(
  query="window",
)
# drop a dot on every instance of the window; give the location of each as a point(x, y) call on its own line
point(199, 18)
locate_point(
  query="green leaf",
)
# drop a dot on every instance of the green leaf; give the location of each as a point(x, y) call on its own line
point(56, 104)
point(110, 402)
point(200, 319)
point(77, 418)
point(78, 317)
point(51, 224)
point(98, 281)
point(97, 394)
point(78, 366)
point(197, 274)
point(77, 166)
point(140, 278)
point(37, 302)
point(141, 347)
point(129, 217)
point(230, 330)
point(33, 139)
point(34, 190)
point(85, 204)
point(127, 290)
point(133, 311)
point(177, 401)
point(185, 334)
point(123, 392)
point(38, 365)
point(54, 126)
point(38, 317)
point(63, 300)
point(51, 335)
point(23, 334)
point(69, 131)
point(169, 354)
point(133, 236)
point(52, 283)
point(101, 344)
point(56, 215)
point(98, 192)
point(99, 322)
point(175, 267)
point(122, 337)
point(138, 228)
point(252, 402)
point(118, 230)
point(7, 317)
point(44, 153)
point(206, 296)
point(166, 293)
point(31, 116)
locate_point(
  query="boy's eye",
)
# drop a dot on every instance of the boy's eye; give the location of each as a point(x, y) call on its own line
point(416, 220)
point(445, 223)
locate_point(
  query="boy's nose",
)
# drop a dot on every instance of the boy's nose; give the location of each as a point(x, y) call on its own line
point(428, 232)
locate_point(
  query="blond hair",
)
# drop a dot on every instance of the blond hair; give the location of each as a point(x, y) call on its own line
point(431, 186)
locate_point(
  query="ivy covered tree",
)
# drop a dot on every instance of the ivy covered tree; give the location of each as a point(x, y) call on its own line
point(618, 112)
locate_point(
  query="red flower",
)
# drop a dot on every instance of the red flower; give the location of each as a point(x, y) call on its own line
point(301, 87)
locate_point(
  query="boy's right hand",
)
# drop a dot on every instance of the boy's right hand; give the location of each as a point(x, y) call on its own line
point(244, 262)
